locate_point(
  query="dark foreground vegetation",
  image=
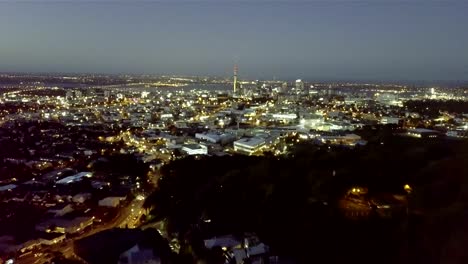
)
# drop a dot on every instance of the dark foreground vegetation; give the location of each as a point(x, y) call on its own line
point(292, 202)
point(432, 108)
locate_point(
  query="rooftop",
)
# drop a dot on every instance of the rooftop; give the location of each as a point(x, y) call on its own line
point(423, 130)
point(7, 187)
point(192, 146)
point(75, 178)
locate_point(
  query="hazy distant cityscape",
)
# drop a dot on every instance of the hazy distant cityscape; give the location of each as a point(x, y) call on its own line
point(233, 132)
point(82, 153)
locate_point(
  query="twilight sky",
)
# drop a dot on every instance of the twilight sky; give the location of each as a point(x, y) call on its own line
point(309, 39)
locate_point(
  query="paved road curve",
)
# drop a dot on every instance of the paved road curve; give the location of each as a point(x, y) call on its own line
point(127, 217)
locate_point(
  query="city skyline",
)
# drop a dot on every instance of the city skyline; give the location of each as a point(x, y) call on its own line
point(312, 40)
point(233, 131)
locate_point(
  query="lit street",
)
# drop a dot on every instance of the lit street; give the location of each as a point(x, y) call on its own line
point(127, 217)
point(233, 132)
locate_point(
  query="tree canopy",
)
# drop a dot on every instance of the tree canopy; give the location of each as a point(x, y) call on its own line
point(291, 201)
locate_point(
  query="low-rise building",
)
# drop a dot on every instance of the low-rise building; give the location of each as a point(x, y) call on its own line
point(139, 255)
point(228, 241)
point(239, 250)
point(51, 238)
point(112, 201)
point(7, 187)
point(387, 120)
point(457, 133)
point(222, 138)
point(68, 226)
point(423, 133)
point(249, 145)
point(75, 178)
point(348, 140)
point(81, 197)
point(61, 209)
point(195, 149)
point(30, 245)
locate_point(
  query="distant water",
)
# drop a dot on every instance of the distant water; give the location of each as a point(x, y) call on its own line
point(208, 87)
point(61, 85)
point(197, 86)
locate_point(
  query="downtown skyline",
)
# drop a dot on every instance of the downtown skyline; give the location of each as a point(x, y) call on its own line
point(233, 131)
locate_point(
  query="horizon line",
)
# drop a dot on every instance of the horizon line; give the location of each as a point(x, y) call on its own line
point(306, 79)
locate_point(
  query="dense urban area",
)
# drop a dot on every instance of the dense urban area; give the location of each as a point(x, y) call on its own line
point(181, 169)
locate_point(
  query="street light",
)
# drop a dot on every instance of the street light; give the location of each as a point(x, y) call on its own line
point(407, 188)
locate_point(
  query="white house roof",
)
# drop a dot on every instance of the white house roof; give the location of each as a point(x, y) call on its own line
point(7, 187)
point(75, 178)
point(223, 241)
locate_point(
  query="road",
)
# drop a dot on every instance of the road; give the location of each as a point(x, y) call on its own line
point(131, 218)
point(354, 208)
point(127, 217)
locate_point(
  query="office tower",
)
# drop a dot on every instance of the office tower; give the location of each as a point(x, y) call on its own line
point(284, 88)
point(78, 94)
point(69, 95)
point(330, 90)
point(299, 86)
point(258, 86)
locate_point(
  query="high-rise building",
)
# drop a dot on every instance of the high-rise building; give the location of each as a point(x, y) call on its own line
point(330, 91)
point(235, 79)
point(78, 94)
point(69, 95)
point(73, 94)
point(259, 86)
point(284, 87)
point(300, 87)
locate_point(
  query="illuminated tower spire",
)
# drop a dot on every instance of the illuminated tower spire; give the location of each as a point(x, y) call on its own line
point(235, 78)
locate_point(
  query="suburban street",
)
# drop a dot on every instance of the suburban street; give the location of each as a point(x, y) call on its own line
point(127, 217)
